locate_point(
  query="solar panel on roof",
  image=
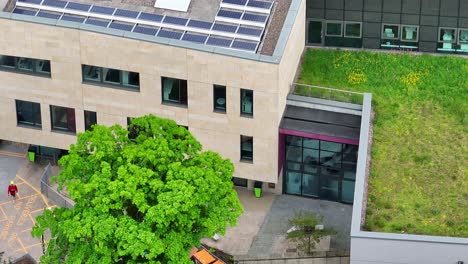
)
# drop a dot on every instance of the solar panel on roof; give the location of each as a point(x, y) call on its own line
point(151, 17)
point(216, 41)
point(254, 17)
point(25, 11)
point(48, 15)
point(235, 2)
point(121, 26)
point(224, 27)
point(102, 10)
point(126, 13)
point(251, 31)
point(55, 3)
point(169, 34)
point(146, 30)
point(78, 19)
point(259, 4)
point(78, 6)
point(229, 14)
point(175, 20)
point(37, 2)
point(198, 38)
point(199, 24)
point(245, 45)
point(96, 22)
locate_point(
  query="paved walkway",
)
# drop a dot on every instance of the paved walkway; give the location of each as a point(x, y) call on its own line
point(17, 217)
point(270, 240)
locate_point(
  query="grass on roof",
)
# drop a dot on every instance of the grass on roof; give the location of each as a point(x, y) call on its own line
point(418, 182)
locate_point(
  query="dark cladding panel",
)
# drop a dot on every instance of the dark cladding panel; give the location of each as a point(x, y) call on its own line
point(430, 20)
point(315, 13)
point(430, 7)
point(353, 16)
point(373, 5)
point(354, 5)
point(409, 19)
point(334, 14)
point(449, 7)
point(371, 43)
point(463, 22)
point(448, 21)
point(428, 46)
point(334, 4)
point(390, 18)
point(428, 33)
point(316, 3)
point(372, 16)
point(391, 6)
point(464, 8)
point(410, 6)
point(371, 30)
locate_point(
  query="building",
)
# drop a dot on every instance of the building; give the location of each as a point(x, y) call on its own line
point(414, 25)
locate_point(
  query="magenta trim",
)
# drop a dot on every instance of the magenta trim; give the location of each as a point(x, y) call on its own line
point(317, 136)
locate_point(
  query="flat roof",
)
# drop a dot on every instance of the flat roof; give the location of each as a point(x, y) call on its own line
point(250, 26)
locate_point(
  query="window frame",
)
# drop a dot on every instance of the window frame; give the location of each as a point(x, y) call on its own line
point(397, 37)
point(352, 22)
point(34, 124)
point(322, 37)
point(406, 40)
point(54, 128)
point(465, 42)
point(242, 142)
point(455, 37)
point(90, 128)
point(180, 101)
point(102, 81)
point(239, 182)
point(335, 22)
point(242, 112)
point(34, 71)
point(215, 99)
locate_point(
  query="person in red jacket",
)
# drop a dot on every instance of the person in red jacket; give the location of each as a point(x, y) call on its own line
point(12, 189)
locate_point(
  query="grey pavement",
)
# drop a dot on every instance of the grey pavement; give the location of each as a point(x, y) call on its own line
point(273, 231)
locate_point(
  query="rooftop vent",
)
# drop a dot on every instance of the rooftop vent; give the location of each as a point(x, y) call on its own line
point(177, 5)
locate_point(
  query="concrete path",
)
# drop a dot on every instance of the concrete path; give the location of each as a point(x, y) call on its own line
point(238, 239)
point(17, 217)
point(273, 231)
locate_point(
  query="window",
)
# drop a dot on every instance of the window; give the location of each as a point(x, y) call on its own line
point(112, 77)
point(334, 29)
point(390, 31)
point(447, 35)
point(463, 39)
point(352, 30)
point(174, 90)
point(246, 102)
point(246, 148)
point(219, 98)
point(25, 65)
point(62, 119)
point(28, 113)
point(409, 33)
point(90, 119)
point(239, 182)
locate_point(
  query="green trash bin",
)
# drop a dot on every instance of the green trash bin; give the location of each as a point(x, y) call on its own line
point(32, 156)
point(258, 189)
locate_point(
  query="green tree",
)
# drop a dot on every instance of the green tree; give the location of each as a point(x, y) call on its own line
point(304, 232)
point(143, 200)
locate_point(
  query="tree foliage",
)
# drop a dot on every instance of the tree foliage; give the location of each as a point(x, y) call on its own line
point(304, 232)
point(142, 200)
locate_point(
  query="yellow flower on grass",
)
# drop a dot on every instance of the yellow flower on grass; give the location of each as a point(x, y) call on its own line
point(356, 77)
point(411, 78)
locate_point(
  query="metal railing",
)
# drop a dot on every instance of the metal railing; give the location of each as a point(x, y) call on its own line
point(327, 93)
point(52, 194)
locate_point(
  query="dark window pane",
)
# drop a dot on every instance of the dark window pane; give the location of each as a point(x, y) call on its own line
point(334, 29)
point(409, 33)
point(293, 140)
point(130, 79)
point(391, 32)
point(111, 76)
point(28, 113)
point(293, 182)
point(246, 102)
point(174, 90)
point(294, 166)
point(25, 64)
point(328, 188)
point(311, 143)
point(43, 66)
point(347, 191)
point(330, 159)
point(91, 73)
point(330, 146)
point(294, 153)
point(239, 181)
point(311, 156)
point(246, 148)
point(353, 30)
point(309, 185)
point(62, 118)
point(90, 119)
point(219, 98)
point(8, 61)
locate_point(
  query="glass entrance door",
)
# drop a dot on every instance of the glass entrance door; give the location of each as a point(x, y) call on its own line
point(314, 34)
